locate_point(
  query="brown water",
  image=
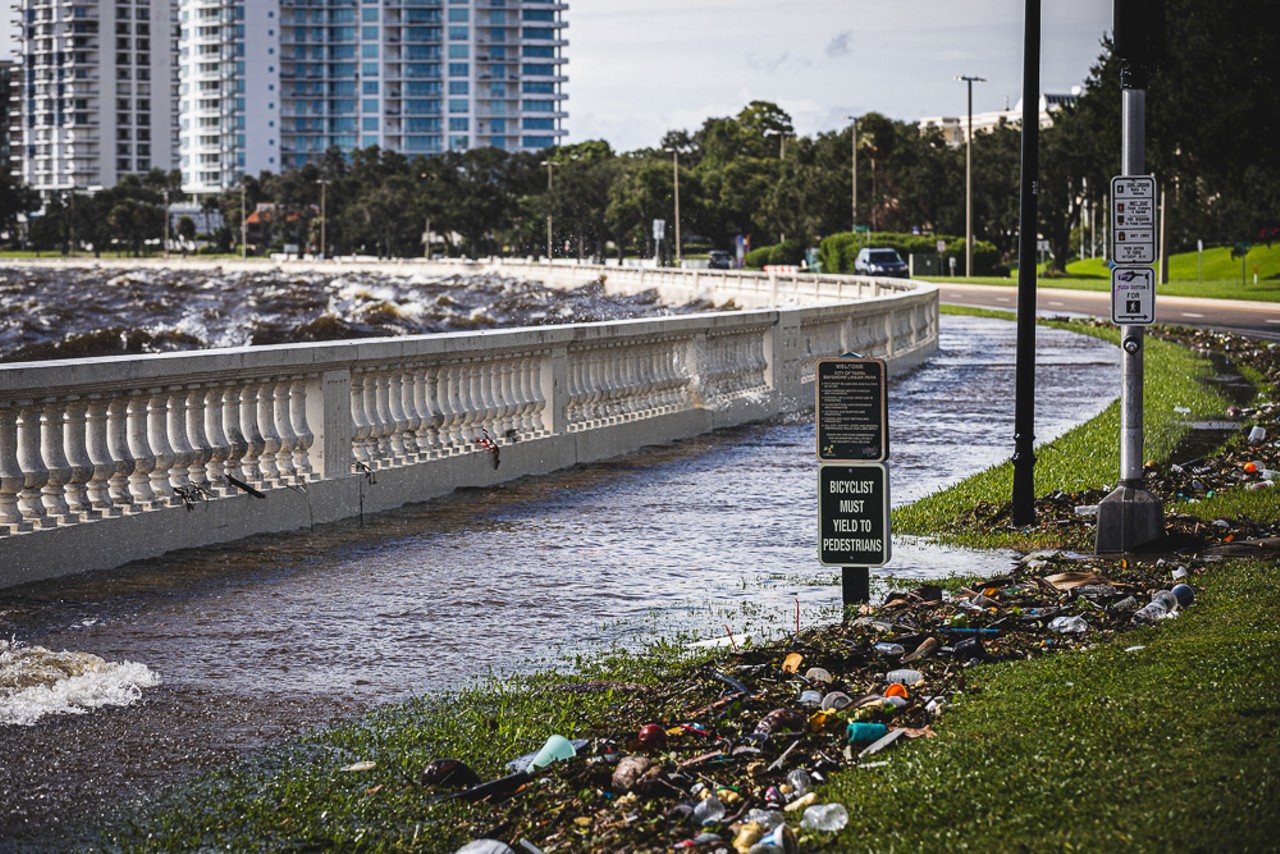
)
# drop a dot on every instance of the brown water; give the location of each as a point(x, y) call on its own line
point(261, 640)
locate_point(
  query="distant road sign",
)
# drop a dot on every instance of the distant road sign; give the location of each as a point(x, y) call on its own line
point(1133, 219)
point(852, 410)
point(853, 514)
point(1133, 296)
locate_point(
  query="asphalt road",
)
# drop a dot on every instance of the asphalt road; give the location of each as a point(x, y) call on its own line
point(1258, 319)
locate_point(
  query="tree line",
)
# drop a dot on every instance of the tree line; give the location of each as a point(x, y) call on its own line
point(1212, 111)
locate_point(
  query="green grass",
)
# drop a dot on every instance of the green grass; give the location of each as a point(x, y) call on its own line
point(1173, 747)
point(1086, 457)
point(1220, 280)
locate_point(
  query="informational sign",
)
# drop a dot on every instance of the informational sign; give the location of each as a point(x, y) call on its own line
point(852, 410)
point(853, 514)
point(1133, 296)
point(1133, 219)
point(659, 229)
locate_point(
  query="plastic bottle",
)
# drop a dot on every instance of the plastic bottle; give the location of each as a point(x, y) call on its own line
point(800, 782)
point(1068, 625)
point(708, 811)
point(886, 648)
point(1162, 602)
point(769, 818)
point(904, 677)
point(829, 817)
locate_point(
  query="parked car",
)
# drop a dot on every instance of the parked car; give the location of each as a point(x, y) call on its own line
point(880, 262)
point(720, 260)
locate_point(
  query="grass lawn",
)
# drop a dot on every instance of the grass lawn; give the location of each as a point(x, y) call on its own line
point(1221, 276)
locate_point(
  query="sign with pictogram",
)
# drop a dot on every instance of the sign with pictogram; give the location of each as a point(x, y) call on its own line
point(1133, 219)
point(1133, 296)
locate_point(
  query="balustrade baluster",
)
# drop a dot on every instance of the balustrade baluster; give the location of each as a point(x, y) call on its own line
point(450, 408)
point(415, 390)
point(197, 437)
point(29, 460)
point(250, 460)
point(508, 395)
point(176, 432)
point(472, 408)
point(57, 470)
point(214, 415)
point(397, 419)
point(375, 406)
point(11, 476)
point(304, 438)
point(360, 446)
point(433, 388)
point(144, 461)
point(283, 429)
point(114, 456)
point(265, 421)
point(80, 468)
point(158, 438)
point(236, 443)
point(97, 450)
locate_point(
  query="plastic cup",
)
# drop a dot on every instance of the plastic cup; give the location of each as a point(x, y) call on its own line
point(557, 747)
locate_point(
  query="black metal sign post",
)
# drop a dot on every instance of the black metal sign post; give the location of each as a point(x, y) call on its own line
point(852, 419)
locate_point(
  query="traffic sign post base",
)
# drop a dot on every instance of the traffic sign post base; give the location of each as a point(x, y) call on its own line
point(855, 585)
point(1128, 518)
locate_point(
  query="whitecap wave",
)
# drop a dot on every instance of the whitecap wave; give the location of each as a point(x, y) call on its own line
point(35, 682)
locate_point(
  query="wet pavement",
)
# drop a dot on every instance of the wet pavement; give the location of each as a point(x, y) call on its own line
point(256, 642)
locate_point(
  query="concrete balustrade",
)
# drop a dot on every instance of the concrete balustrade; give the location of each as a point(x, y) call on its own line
point(109, 460)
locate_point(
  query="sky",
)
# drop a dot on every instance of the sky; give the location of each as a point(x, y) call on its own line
point(638, 68)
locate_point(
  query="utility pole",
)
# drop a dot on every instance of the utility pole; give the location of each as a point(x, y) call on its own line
point(550, 164)
point(1024, 414)
point(675, 180)
point(244, 223)
point(853, 160)
point(166, 222)
point(324, 219)
point(968, 163)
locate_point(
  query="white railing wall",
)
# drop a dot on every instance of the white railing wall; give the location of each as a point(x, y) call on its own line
point(104, 461)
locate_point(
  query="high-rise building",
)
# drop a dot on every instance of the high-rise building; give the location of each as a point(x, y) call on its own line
point(95, 90)
point(274, 84)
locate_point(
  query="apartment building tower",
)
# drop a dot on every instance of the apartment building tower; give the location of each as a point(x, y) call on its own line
point(95, 91)
point(270, 85)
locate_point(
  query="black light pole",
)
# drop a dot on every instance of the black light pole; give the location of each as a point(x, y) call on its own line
point(1024, 414)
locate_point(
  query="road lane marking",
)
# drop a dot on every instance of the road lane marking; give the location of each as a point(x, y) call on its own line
point(1057, 303)
point(1271, 320)
point(1003, 299)
point(1191, 314)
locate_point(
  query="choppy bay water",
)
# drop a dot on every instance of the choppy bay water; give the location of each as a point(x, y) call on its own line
point(255, 642)
point(77, 312)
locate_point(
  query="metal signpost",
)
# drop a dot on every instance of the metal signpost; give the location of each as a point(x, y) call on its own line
point(852, 421)
point(1131, 516)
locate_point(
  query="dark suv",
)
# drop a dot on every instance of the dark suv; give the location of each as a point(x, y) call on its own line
point(880, 262)
point(720, 260)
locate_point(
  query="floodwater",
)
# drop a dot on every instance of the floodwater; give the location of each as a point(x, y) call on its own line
point(259, 641)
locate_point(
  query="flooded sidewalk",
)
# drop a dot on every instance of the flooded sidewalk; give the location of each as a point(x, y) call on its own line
point(276, 635)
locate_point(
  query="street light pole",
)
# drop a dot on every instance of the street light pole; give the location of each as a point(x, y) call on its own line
point(550, 164)
point(675, 178)
point(166, 222)
point(244, 223)
point(968, 178)
point(853, 159)
point(324, 219)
